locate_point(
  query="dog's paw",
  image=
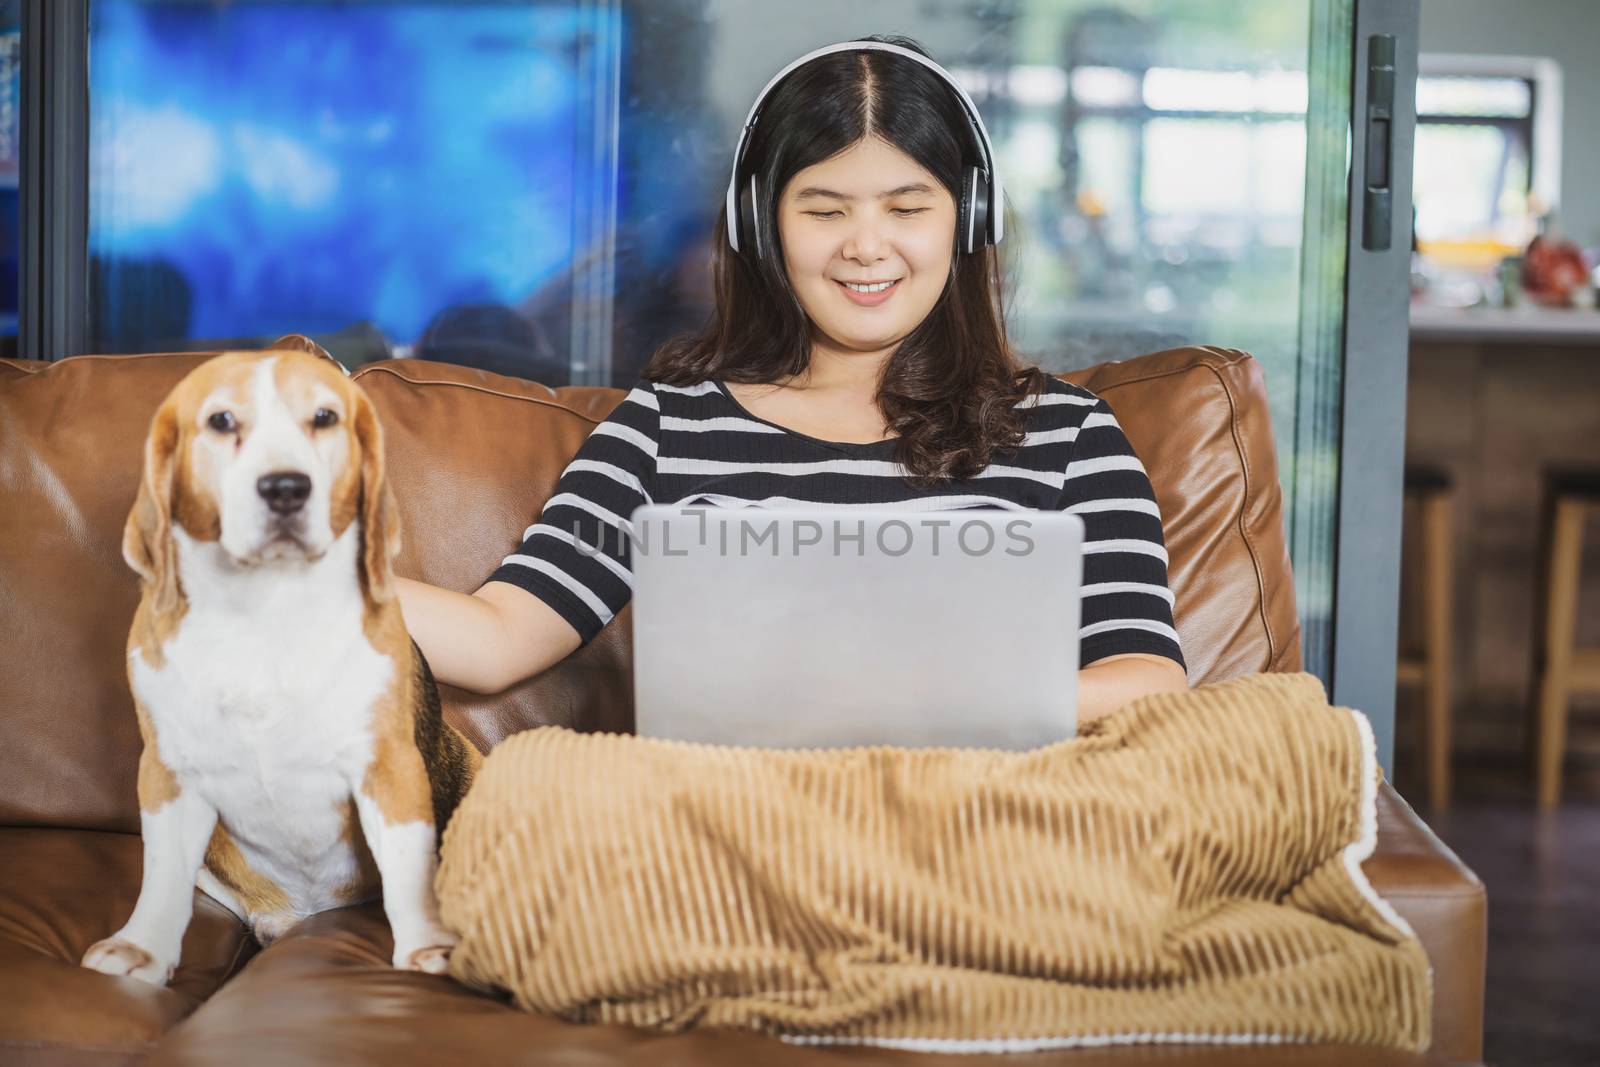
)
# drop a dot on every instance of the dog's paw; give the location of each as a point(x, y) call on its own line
point(434, 959)
point(267, 928)
point(123, 959)
point(429, 954)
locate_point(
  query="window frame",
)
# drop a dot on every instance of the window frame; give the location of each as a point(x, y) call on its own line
point(53, 181)
point(1540, 131)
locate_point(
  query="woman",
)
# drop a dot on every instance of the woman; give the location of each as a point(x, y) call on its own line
point(856, 354)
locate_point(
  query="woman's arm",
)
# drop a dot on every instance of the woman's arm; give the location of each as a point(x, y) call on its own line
point(486, 641)
point(1106, 685)
point(568, 578)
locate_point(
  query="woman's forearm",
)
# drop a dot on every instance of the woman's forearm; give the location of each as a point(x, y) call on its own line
point(461, 635)
point(488, 641)
point(1108, 684)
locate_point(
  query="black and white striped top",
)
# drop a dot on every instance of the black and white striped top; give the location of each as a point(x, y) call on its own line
point(697, 446)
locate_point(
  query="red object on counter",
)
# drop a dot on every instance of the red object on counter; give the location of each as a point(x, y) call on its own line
point(1552, 271)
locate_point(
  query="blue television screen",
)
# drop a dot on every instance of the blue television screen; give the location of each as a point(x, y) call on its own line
point(259, 168)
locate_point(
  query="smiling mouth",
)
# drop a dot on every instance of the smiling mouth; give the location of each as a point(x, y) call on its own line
point(868, 294)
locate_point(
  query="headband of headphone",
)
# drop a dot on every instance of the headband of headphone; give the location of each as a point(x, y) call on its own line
point(978, 214)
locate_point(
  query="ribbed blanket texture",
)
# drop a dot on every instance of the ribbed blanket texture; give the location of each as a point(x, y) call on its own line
point(1186, 870)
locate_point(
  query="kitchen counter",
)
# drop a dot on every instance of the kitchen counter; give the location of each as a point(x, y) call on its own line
point(1527, 324)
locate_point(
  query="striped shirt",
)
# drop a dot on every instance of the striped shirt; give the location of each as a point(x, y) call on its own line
point(697, 446)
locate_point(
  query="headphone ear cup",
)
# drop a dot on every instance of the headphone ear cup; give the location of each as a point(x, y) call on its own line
point(974, 214)
point(749, 232)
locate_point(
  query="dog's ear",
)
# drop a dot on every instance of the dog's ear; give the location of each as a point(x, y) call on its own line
point(147, 542)
point(380, 516)
point(299, 342)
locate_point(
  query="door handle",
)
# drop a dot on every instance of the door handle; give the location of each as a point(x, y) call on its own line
point(1378, 215)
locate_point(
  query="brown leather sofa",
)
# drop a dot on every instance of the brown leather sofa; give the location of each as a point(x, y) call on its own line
point(473, 455)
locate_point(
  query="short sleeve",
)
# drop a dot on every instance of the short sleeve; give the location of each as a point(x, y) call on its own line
point(576, 557)
point(1127, 604)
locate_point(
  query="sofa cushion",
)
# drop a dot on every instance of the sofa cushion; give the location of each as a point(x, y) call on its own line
point(61, 891)
point(325, 994)
point(1198, 418)
point(71, 447)
point(472, 456)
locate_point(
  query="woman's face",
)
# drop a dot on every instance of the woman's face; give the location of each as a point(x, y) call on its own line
point(867, 237)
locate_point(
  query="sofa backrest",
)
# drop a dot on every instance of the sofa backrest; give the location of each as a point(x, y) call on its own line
point(473, 456)
point(1199, 419)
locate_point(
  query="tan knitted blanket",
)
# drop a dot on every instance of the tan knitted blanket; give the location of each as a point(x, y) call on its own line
point(1187, 870)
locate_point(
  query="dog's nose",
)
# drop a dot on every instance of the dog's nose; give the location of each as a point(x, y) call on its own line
point(284, 491)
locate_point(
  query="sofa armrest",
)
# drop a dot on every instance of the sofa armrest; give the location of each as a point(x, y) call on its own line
point(1446, 905)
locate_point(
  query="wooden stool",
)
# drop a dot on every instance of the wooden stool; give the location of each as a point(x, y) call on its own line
point(1559, 667)
point(1429, 587)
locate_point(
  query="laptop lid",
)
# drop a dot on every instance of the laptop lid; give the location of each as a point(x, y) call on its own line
point(830, 627)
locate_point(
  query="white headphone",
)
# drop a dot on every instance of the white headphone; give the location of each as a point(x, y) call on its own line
point(979, 218)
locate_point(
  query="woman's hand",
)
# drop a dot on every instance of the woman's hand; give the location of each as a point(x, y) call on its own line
point(1107, 684)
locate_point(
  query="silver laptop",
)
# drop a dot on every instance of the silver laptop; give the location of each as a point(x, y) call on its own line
point(832, 627)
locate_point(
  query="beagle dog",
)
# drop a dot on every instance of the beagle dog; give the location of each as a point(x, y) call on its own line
point(294, 749)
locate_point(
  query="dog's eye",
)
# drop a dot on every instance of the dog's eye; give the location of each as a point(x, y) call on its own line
point(324, 418)
point(223, 422)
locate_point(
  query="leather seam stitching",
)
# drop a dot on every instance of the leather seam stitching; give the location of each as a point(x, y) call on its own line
point(106, 356)
point(370, 369)
point(1244, 463)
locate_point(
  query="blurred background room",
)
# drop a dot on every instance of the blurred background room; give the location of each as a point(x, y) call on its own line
point(528, 187)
